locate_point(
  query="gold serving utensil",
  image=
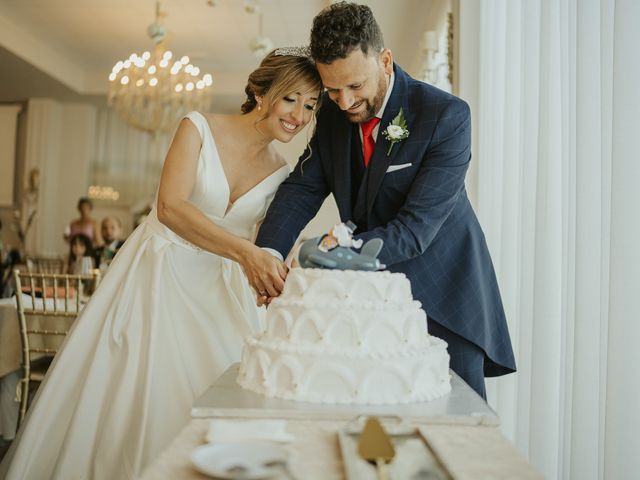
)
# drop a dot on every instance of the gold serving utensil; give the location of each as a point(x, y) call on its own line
point(375, 446)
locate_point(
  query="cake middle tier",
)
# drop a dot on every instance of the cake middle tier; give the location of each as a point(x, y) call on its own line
point(366, 326)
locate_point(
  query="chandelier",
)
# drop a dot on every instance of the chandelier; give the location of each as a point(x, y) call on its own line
point(153, 91)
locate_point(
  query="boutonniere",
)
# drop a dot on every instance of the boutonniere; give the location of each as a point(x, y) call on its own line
point(396, 131)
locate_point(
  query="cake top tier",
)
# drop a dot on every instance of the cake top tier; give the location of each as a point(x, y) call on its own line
point(328, 285)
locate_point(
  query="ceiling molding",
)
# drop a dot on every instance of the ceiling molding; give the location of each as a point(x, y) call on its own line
point(40, 55)
point(49, 61)
point(57, 49)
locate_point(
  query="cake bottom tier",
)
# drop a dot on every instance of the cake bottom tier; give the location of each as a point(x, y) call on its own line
point(291, 373)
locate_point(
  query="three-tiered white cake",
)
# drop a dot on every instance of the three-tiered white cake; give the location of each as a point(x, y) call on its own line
point(348, 337)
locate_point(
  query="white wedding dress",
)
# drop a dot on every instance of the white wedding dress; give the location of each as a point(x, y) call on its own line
point(166, 320)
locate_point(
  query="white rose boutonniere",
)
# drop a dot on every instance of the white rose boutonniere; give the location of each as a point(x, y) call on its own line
point(396, 131)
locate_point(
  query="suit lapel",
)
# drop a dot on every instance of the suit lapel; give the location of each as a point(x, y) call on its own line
point(380, 161)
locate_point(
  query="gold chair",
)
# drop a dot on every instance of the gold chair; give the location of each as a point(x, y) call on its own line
point(47, 307)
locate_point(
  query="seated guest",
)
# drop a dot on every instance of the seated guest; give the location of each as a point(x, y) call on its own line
point(111, 230)
point(80, 247)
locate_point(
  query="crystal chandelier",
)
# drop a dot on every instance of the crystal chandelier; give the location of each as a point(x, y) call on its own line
point(152, 92)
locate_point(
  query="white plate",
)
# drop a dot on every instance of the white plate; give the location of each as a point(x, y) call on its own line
point(249, 459)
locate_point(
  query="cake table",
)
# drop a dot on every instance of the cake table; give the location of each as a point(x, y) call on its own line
point(225, 398)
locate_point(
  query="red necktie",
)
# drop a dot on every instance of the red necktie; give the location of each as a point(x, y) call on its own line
point(367, 138)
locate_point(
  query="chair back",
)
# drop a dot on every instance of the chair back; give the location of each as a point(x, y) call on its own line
point(44, 264)
point(41, 295)
point(48, 304)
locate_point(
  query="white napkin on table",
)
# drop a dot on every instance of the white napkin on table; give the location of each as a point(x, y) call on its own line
point(224, 430)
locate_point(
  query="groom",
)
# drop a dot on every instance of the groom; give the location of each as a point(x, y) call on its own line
point(407, 191)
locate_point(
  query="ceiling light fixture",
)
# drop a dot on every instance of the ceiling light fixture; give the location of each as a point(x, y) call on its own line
point(152, 92)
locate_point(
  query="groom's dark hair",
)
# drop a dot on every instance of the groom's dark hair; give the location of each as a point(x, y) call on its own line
point(341, 28)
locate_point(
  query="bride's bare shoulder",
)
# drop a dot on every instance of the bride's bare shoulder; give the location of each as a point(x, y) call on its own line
point(210, 118)
point(222, 119)
point(219, 122)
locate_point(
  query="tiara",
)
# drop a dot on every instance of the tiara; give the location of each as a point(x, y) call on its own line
point(293, 51)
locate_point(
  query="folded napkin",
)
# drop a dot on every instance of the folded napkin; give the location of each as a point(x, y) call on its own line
point(222, 430)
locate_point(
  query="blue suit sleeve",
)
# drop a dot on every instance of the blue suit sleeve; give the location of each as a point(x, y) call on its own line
point(296, 202)
point(434, 191)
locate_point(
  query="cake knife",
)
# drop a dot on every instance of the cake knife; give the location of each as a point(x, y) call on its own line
point(375, 446)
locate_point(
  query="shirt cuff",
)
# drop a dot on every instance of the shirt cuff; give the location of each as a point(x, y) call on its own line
point(273, 252)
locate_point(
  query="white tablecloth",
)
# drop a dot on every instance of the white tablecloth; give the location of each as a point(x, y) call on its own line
point(467, 451)
point(9, 367)
point(9, 337)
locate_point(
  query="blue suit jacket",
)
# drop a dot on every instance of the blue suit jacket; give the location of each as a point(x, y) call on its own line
point(421, 211)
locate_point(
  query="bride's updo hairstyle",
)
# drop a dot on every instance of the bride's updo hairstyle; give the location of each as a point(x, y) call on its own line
point(281, 72)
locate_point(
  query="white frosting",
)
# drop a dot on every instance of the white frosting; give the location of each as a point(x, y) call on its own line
point(351, 327)
point(346, 337)
point(343, 285)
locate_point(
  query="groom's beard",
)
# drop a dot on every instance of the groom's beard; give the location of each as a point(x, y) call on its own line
point(371, 107)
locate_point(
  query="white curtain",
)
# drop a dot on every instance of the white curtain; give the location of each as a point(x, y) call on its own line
point(58, 139)
point(556, 106)
point(127, 159)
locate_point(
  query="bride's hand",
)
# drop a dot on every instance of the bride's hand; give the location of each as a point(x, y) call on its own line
point(266, 273)
point(263, 300)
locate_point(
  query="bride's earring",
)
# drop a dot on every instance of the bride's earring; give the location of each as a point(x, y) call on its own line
point(259, 106)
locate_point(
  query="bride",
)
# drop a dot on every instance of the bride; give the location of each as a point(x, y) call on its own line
point(170, 314)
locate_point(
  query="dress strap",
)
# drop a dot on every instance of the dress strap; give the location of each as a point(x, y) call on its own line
point(199, 121)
